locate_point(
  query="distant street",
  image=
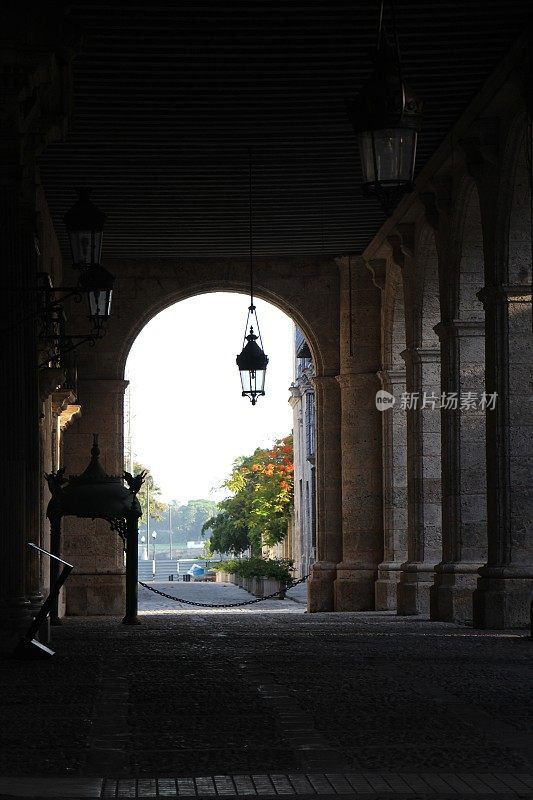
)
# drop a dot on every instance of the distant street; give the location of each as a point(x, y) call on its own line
point(218, 594)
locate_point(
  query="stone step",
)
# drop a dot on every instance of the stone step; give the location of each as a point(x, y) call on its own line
point(302, 785)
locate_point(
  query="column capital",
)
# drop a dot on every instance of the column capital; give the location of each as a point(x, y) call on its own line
point(480, 149)
point(504, 293)
point(295, 395)
point(378, 269)
point(50, 379)
point(98, 385)
point(421, 355)
point(347, 380)
point(324, 380)
point(68, 415)
point(61, 398)
point(392, 377)
point(402, 243)
point(460, 329)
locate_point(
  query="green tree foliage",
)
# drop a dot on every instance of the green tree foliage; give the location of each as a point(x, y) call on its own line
point(152, 490)
point(259, 510)
point(188, 520)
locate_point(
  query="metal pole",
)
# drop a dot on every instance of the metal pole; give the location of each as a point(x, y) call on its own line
point(55, 548)
point(132, 570)
point(170, 528)
point(147, 511)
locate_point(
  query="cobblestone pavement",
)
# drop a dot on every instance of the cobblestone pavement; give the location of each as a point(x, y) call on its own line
point(269, 690)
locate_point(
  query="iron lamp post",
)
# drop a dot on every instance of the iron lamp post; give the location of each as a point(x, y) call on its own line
point(154, 537)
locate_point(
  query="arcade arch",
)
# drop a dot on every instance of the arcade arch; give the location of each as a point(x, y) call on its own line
point(307, 291)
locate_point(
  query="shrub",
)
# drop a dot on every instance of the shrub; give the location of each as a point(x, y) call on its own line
point(278, 569)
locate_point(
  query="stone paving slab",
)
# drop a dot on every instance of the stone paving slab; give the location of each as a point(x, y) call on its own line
point(270, 701)
point(324, 785)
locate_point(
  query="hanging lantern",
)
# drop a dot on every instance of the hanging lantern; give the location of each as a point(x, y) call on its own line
point(98, 283)
point(252, 363)
point(85, 228)
point(386, 115)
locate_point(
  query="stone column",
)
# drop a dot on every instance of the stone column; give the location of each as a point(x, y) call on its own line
point(505, 587)
point(362, 495)
point(504, 590)
point(328, 494)
point(19, 425)
point(464, 515)
point(97, 584)
point(423, 492)
point(394, 492)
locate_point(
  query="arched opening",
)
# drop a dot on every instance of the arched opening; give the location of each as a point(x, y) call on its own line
point(187, 423)
point(309, 295)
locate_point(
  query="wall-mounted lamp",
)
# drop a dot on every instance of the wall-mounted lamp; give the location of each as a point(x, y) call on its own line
point(85, 225)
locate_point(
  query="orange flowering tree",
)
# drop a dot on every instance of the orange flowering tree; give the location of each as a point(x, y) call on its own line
point(258, 513)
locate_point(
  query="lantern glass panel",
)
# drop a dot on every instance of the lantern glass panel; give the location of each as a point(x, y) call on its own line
point(253, 381)
point(388, 155)
point(86, 247)
point(100, 303)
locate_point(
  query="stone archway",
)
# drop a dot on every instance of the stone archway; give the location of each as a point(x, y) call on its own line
point(307, 290)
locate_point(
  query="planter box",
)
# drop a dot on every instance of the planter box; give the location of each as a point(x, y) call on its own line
point(270, 586)
point(256, 587)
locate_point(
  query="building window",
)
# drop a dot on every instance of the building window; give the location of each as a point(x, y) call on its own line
point(313, 508)
point(309, 424)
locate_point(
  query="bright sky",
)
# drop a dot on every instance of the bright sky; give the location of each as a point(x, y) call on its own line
point(188, 419)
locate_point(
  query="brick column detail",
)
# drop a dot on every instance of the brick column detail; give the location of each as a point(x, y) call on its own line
point(464, 514)
point(394, 492)
point(423, 480)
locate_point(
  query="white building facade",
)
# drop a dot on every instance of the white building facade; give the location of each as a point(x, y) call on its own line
point(302, 400)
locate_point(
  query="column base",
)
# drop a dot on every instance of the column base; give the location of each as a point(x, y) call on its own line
point(386, 588)
point(354, 587)
point(320, 587)
point(416, 579)
point(502, 600)
point(451, 594)
point(96, 594)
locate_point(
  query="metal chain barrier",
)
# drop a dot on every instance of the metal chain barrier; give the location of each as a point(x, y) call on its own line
point(224, 605)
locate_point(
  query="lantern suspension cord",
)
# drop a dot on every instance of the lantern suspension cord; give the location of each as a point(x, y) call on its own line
point(250, 230)
point(251, 308)
point(529, 164)
point(396, 43)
